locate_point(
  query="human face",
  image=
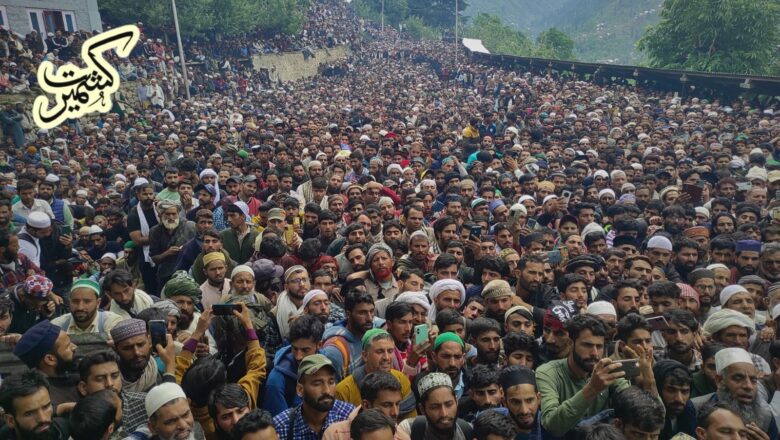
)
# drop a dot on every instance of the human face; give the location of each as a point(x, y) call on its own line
point(577, 292)
point(379, 355)
point(297, 284)
point(173, 421)
point(706, 288)
point(387, 402)
point(518, 323)
point(401, 328)
point(734, 336)
point(124, 295)
point(473, 310)
point(235, 220)
point(742, 302)
point(557, 342)
point(211, 244)
point(523, 402)
point(243, 283)
point(747, 262)
point(414, 220)
point(31, 415)
point(382, 265)
point(487, 397)
point(228, 417)
point(627, 301)
point(318, 390)
point(679, 338)
point(723, 425)
point(659, 256)
point(102, 377)
point(134, 352)
point(632, 432)
point(588, 350)
point(413, 284)
point(302, 347)
point(83, 305)
point(662, 304)
point(441, 408)
point(675, 397)
point(488, 346)
point(640, 338)
point(448, 299)
point(361, 318)
point(187, 307)
point(741, 380)
point(215, 272)
point(449, 359)
point(531, 277)
point(498, 306)
point(447, 273)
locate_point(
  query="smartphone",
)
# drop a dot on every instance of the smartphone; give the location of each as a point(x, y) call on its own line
point(223, 309)
point(296, 221)
point(554, 258)
point(531, 223)
point(629, 366)
point(658, 323)
point(476, 231)
point(158, 330)
point(420, 333)
point(67, 230)
point(566, 196)
point(695, 193)
point(564, 250)
point(776, 214)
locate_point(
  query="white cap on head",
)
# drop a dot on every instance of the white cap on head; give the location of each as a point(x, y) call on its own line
point(161, 395)
point(659, 242)
point(730, 356)
point(730, 291)
point(601, 308)
point(95, 229)
point(310, 296)
point(38, 220)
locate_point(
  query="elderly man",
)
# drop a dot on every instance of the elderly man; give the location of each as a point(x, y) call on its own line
point(734, 329)
point(737, 379)
point(169, 414)
point(445, 294)
point(378, 279)
point(167, 238)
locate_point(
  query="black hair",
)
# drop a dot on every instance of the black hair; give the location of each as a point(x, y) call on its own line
point(370, 420)
point(327, 214)
point(311, 206)
point(514, 341)
point(92, 416)
point(636, 407)
point(568, 279)
point(683, 242)
point(306, 327)
point(378, 381)
point(253, 421)
point(355, 297)
point(204, 375)
point(493, 423)
point(481, 376)
point(117, 276)
point(309, 249)
point(709, 350)
point(229, 395)
point(20, 385)
point(704, 413)
point(580, 323)
point(530, 258)
point(397, 310)
point(272, 246)
point(444, 260)
point(600, 431)
point(490, 262)
point(483, 325)
point(682, 317)
point(448, 317)
point(664, 289)
point(95, 358)
point(629, 323)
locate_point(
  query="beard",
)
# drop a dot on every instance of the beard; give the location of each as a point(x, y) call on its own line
point(171, 225)
point(756, 411)
point(530, 287)
point(83, 317)
point(48, 434)
point(323, 403)
point(488, 357)
point(64, 367)
point(178, 435)
point(586, 364)
point(680, 348)
point(746, 269)
point(522, 420)
point(147, 203)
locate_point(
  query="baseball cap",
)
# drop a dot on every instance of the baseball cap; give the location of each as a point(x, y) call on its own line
point(312, 364)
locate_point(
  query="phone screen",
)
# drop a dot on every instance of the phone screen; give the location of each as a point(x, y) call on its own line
point(223, 309)
point(158, 332)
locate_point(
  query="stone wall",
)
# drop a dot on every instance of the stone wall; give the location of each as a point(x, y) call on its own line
point(291, 65)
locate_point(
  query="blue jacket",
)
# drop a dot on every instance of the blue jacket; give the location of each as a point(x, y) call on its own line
point(280, 391)
point(352, 343)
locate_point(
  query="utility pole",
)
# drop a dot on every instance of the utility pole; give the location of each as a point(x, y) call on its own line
point(382, 28)
point(456, 35)
point(181, 51)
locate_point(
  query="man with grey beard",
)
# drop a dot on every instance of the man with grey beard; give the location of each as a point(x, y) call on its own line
point(169, 415)
point(737, 379)
point(167, 238)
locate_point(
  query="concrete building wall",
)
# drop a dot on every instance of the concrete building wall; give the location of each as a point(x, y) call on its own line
point(17, 13)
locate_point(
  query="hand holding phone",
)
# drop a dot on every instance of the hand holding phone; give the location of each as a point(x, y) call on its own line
point(629, 366)
point(420, 334)
point(476, 232)
point(224, 309)
point(158, 330)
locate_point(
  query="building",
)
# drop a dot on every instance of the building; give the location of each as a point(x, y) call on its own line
point(44, 16)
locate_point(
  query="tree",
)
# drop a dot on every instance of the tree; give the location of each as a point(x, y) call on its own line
point(200, 18)
point(438, 13)
point(396, 11)
point(553, 43)
point(499, 38)
point(738, 36)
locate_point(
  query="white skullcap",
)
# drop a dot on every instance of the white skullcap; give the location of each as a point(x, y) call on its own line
point(394, 166)
point(52, 178)
point(775, 312)
point(139, 181)
point(714, 266)
point(110, 255)
point(161, 395)
point(95, 229)
point(703, 211)
point(447, 284)
point(548, 198)
point(659, 242)
point(601, 173)
point(38, 220)
point(606, 191)
point(591, 228)
point(418, 298)
point(428, 182)
point(384, 200)
point(82, 193)
point(207, 172)
point(526, 197)
point(310, 296)
point(242, 268)
point(730, 291)
point(730, 356)
point(601, 308)
point(519, 207)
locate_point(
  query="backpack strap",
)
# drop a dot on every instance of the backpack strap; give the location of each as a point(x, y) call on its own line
point(101, 322)
point(418, 428)
point(66, 322)
point(340, 344)
point(465, 427)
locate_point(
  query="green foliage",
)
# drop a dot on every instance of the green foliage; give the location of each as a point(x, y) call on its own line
point(199, 18)
point(396, 11)
point(738, 36)
point(415, 27)
point(553, 43)
point(499, 38)
point(437, 13)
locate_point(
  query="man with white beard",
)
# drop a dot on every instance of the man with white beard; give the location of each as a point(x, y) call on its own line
point(737, 379)
point(169, 414)
point(167, 238)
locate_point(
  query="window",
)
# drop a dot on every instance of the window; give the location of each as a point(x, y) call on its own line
point(45, 21)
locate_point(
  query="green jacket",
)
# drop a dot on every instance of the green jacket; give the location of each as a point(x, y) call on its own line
point(239, 252)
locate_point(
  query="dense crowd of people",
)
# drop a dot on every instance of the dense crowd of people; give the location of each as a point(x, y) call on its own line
point(403, 248)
